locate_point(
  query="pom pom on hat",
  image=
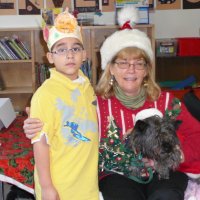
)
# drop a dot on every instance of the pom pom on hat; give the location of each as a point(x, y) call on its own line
point(127, 37)
point(65, 25)
point(147, 113)
point(128, 17)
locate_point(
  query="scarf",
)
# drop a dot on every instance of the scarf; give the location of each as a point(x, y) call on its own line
point(130, 102)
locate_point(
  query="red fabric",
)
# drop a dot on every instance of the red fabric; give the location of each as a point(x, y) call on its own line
point(126, 26)
point(16, 156)
point(188, 132)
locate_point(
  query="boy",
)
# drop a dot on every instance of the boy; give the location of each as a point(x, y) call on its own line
point(66, 150)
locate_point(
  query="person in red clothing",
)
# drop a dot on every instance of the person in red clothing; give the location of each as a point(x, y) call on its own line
point(125, 88)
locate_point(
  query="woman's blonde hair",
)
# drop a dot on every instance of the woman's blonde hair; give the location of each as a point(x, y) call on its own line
point(105, 89)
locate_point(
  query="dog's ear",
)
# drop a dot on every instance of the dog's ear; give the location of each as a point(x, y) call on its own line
point(141, 126)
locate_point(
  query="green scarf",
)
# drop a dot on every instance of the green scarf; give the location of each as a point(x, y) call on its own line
point(130, 102)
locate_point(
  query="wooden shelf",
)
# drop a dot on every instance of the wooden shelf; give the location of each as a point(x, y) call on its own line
point(15, 61)
point(18, 76)
point(177, 68)
point(17, 90)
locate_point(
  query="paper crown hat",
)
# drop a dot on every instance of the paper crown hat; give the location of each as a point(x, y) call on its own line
point(125, 37)
point(65, 26)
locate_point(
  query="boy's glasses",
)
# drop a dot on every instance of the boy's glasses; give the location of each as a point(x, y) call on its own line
point(64, 51)
point(138, 65)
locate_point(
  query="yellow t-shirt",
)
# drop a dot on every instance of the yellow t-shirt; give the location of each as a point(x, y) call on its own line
point(68, 111)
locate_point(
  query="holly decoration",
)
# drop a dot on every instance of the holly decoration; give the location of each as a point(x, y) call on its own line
point(116, 157)
point(175, 111)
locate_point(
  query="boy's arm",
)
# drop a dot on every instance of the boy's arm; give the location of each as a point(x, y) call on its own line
point(42, 162)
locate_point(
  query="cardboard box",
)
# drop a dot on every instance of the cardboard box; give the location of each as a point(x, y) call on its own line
point(166, 47)
point(7, 113)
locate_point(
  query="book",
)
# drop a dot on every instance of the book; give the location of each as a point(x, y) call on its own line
point(23, 54)
point(42, 73)
point(2, 56)
point(16, 50)
point(5, 52)
point(86, 68)
point(13, 50)
point(9, 49)
point(23, 46)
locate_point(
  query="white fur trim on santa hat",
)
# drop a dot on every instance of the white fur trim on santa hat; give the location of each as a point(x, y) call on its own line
point(122, 39)
point(147, 113)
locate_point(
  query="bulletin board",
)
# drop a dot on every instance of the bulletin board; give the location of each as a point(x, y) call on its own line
point(8, 7)
point(30, 7)
point(58, 4)
point(34, 7)
point(165, 5)
point(137, 3)
point(86, 5)
point(108, 5)
point(191, 4)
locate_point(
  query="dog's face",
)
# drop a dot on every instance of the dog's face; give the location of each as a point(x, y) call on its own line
point(156, 139)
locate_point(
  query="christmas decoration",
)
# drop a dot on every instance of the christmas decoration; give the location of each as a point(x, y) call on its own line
point(175, 111)
point(116, 157)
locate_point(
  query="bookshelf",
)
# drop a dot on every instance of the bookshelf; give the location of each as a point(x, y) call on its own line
point(17, 76)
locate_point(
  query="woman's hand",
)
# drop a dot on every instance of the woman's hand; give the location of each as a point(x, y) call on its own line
point(31, 126)
point(127, 133)
point(148, 163)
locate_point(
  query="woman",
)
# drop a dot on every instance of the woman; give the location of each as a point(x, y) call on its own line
point(127, 87)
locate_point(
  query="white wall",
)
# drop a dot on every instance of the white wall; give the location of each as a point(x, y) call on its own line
point(176, 23)
point(168, 23)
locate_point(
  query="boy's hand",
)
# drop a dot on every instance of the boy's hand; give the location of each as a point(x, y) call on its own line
point(49, 193)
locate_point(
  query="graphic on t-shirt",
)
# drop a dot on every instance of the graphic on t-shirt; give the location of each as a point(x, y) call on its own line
point(75, 94)
point(75, 132)
point(75, 122)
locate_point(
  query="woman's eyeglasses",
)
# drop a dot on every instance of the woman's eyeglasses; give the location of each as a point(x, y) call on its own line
point(138, 65)
point(64, 51)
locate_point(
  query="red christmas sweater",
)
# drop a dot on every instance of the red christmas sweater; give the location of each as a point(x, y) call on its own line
point(188, 132)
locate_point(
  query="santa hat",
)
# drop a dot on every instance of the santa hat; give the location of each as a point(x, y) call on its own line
point(65, 26)
point(146, 113)
point(126, 37)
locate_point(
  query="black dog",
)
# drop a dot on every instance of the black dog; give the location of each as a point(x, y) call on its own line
point(155, 138)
